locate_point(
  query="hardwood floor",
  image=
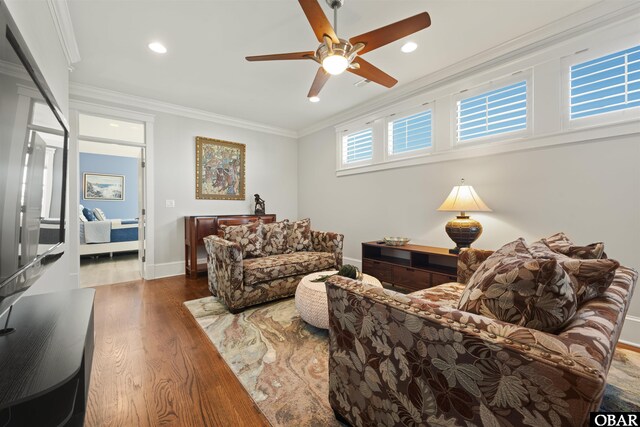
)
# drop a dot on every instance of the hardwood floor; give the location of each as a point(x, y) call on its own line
point(153, 365)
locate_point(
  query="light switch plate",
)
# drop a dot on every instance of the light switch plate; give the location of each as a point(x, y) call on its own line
point(170, 203)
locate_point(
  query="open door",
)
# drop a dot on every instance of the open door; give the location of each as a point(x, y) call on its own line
point(32, 198)
point(142, 213)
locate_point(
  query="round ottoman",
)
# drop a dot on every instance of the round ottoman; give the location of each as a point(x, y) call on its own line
point(311, 298)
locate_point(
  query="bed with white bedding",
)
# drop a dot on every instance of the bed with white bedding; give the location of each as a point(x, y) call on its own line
point(114, 235)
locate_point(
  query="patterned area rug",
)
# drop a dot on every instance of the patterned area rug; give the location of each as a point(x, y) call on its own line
point(282, 362)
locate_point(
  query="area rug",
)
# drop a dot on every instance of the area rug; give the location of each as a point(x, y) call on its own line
point(282, 362)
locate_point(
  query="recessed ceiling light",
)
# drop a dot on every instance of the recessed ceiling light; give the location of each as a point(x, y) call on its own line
point(114, 125)
point(409, 47)
point(314, 99)
point(157, 47)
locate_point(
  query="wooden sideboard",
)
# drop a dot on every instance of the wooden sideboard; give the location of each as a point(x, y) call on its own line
point(412, 267)
point(198, 227)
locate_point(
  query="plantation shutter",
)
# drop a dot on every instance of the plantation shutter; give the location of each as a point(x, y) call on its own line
point(604, 84)
point(410, 133)
point(357, 146)
point(499, 111)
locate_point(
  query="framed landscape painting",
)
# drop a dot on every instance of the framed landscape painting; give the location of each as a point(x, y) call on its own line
point(219, 169)
point(100, 186)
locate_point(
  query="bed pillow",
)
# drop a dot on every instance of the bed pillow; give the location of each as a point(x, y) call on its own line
point(100, 216)
point(299, 236)
point(592, 277)
point(89, 215)
point(518, 288)
point(275, 237)
point(249, 236)
point(560, 243)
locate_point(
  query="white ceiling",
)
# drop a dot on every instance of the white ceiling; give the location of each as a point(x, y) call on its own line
point(207, 41)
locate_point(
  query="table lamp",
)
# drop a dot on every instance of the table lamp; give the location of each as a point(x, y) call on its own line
point(463, 230)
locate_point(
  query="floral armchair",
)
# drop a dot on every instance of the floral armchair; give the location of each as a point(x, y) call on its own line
point(416, 360)
point(241, 283)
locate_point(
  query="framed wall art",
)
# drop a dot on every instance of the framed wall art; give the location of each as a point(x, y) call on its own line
point(220, 169)
point(101, 186)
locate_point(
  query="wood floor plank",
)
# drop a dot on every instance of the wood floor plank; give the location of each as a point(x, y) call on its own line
point(153, 365)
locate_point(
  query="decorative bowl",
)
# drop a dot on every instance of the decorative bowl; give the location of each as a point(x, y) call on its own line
point(396, 241)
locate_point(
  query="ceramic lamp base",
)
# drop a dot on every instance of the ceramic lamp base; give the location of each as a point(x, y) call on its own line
point(463, 231)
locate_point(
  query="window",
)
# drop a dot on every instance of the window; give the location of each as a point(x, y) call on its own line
point(495, 112)
point(605, 84)
point(409, 133)
point(357, 146)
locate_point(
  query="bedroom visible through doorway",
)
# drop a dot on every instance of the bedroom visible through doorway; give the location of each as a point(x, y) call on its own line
point(111, 179)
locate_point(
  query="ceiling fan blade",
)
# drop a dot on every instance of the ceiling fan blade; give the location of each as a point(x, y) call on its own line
point(318, 20)
point(373, 73)
point(318, 83)
point(392, 32)
point(281, 56)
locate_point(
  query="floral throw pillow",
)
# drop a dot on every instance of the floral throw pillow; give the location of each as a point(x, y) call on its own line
point(249, 236)
point(517, 288)
point(299, 236)
point(592, 277)
point(560, 243)
point(275, 237)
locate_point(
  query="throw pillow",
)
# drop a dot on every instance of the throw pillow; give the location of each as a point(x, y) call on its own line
point(249, 236)
point(560, 243)
point(275, 237)
point(299, 236)
point(89, 215)
point(100, 216)
point(592, 277)
point(517, 288)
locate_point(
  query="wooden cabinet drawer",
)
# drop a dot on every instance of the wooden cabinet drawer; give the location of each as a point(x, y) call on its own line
point(410, 278)
point(378, 270)
point(438, 279)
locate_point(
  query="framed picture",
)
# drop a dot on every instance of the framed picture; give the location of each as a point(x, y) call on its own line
point(219, 169)
point(101, 186)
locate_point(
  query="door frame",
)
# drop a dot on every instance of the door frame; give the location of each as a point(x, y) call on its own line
point(82, 107)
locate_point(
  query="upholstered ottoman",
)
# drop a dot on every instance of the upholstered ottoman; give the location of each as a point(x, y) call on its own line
point(311, 298)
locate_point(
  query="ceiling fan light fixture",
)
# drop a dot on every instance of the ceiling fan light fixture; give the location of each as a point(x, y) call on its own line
point(314, 99)
point(335, 64)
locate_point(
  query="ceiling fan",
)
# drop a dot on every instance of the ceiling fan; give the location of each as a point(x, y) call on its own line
point(335, 55)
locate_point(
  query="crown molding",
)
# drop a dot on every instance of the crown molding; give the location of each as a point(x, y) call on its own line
point(14, 70)
point(64, 27)
point(594, 17)
point(104, 95)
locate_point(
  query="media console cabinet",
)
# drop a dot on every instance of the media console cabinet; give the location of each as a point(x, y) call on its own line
point(412, 267)
point(200, 226)
point(45, 363)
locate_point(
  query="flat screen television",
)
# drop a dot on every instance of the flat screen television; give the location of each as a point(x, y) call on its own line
point(33, 168)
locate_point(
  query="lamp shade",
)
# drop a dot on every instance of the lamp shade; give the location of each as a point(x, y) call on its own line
point(463, 198)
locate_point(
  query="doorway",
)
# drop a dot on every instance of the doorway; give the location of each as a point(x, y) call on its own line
point(111, 205)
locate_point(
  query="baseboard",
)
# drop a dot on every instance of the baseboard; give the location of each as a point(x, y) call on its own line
point(352, 261)
point(631, 331)
point(168, 269)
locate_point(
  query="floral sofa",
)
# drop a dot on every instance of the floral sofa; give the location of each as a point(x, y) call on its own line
point(241, 275)
point(416, 359)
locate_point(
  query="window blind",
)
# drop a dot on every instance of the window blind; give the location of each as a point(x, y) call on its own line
point(410, 133)
point(498, 111)
point(357, 146)
point(605, 84)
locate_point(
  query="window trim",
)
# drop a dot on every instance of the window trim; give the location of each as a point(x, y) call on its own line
point(584, 55)
point(525, 75)
point(388, 156)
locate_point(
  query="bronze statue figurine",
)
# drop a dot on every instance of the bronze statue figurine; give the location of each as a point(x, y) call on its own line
point(260, 209)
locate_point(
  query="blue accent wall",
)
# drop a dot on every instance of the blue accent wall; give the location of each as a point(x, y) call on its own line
point(116, 165)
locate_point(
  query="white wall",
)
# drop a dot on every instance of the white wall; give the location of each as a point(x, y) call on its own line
point(591, 191)
point(271, 171)
point(36, 26)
